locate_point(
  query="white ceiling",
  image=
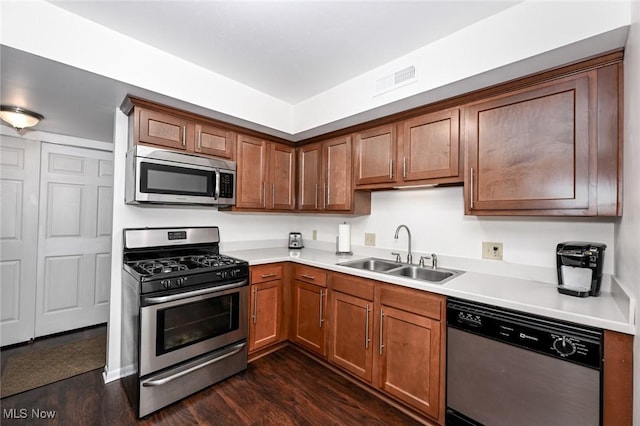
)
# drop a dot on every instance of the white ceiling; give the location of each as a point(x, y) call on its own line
point(291, 50)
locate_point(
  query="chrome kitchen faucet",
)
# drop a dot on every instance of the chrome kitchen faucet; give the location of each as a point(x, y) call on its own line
point(409, 255)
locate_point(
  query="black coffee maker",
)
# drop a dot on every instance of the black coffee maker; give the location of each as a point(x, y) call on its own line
point(579, 267)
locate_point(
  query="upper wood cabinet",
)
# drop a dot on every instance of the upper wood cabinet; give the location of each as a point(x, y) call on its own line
point(550, 149)
point(418, 151)
point(325, 181)
point(375, 152)
point(266, 175)
point(214, 141)
point(429, 148)
point(179, 130)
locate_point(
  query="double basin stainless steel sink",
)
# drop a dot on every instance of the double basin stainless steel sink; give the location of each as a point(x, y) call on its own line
point(389, 267)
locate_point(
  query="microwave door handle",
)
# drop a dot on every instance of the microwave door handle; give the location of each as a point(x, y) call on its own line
point(217, 194)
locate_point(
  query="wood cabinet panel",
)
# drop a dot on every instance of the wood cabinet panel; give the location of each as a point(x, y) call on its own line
point(617, 379)
point(550, 149)
point(375, 151)
point(325, 178)
point(265, 174)
point(311, 275)
point(351, 343)
point(263, 273)
point(430, 146)
point(251, 173)
point(264, 324)
point(214, 141)
point(282, 182)
point(337, 174)
point(416, 379)
point(162, 129)
point(309, 177)
point(309, 328)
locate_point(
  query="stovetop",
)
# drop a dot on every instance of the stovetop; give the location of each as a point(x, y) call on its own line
point(185, 264)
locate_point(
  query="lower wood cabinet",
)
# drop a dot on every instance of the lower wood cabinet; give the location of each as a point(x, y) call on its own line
point(265, 306)
point(411, 348)
point(309, 327)
point(392, 338)
point(351, 340)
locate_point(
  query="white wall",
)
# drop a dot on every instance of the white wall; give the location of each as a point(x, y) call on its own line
point(627, 232)
point(437, 222)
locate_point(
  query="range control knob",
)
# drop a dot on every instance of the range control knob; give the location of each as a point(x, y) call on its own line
point(564, 346)
point(179, 282)
point(165, 283)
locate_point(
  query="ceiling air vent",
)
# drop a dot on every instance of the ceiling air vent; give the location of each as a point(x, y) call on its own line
point(397, 79)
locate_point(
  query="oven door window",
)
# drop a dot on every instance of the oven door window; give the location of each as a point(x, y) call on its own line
point(163, 179)
point(186, 324)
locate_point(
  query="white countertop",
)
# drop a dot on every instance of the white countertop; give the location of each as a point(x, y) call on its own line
point(613, 310)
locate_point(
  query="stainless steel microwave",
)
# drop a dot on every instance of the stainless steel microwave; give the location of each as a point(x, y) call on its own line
point(160, 176)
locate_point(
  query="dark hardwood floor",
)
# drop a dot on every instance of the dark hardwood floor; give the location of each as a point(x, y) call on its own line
point(282, 388)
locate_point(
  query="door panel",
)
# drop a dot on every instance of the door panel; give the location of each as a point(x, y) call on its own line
point(75, 238)
point(19, 180)
point(251, 173)
point(283, 177)
point(338, 174)
point(309, 177)
point(415, 379)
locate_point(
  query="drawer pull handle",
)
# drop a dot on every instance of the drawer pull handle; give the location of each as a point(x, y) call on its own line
point(321, 300)
point(255, 304)
point(367, 340)
point(309, 277)
point(268, 275)
point(381, 320)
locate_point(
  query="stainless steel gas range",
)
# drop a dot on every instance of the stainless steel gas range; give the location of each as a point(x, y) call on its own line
point(184, 314)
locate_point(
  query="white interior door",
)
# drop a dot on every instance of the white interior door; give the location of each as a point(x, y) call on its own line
point(74, 259)
point(19, 180)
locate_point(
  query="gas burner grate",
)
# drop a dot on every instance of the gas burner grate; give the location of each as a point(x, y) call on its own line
point(161, 266)
point(213, 260)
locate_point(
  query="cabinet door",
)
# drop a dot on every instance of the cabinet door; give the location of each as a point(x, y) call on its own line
point(351, 345)
point(162, 129)
point(337, 175)
point(282, 185)
point(375, 151)
point(309, 177)
point(265, 314)
point(530, 150)
point(410, 358)
point(430, 146)
point(309, 316)
point(214, 141)
point(251, 173)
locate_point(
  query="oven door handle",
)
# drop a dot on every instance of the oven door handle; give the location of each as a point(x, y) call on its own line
point(154, 300)
point(235, 350)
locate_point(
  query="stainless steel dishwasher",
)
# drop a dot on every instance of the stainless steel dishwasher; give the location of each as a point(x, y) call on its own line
point(509, 368)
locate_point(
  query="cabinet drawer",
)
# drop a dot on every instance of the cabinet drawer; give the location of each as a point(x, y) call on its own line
point(353, 286)
point(414, 301)
point(263, 273)
point(311, 275)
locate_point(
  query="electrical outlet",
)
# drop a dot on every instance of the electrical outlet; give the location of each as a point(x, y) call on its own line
point(314, 234)
point(491, 250)
point(369, 239)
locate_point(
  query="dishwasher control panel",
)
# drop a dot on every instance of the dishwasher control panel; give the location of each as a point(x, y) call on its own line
point(572, 342)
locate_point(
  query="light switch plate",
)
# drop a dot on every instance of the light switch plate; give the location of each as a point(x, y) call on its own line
point(369, 239)
point(491, 250)
point(314, 234)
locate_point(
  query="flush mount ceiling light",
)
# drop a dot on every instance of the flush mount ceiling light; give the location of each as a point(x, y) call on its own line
point(19, 117)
